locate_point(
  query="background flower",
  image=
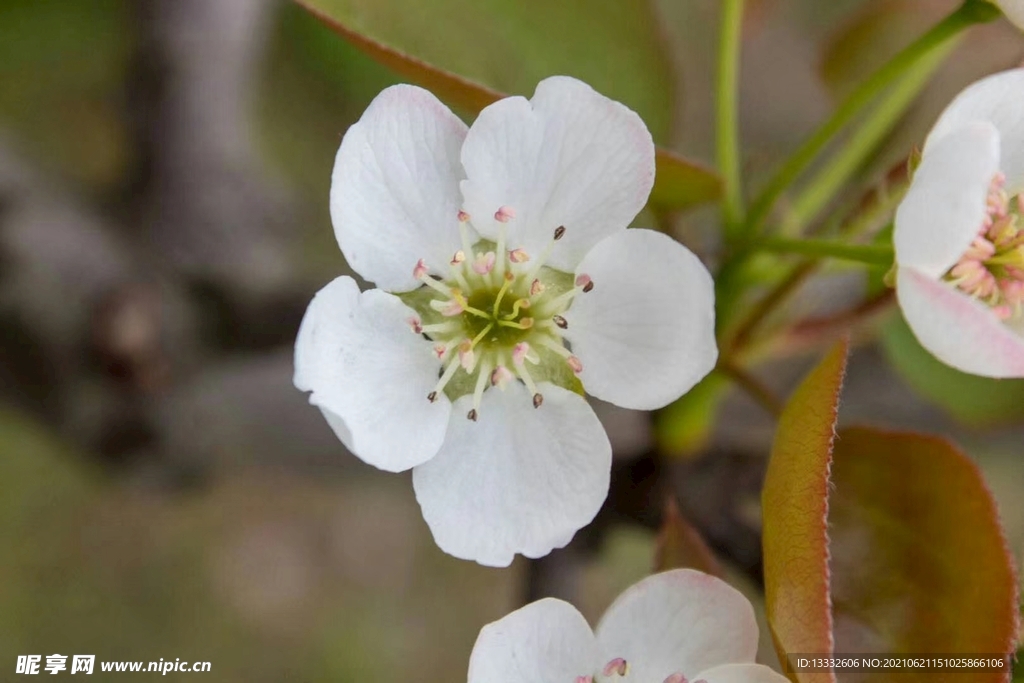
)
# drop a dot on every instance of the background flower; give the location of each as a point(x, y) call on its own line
point(958, 236)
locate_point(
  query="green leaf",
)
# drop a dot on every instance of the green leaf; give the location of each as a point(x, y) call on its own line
point(919, 563)
point(680, 545)
point(974, 401)
point(795, 511)
point(470, 52)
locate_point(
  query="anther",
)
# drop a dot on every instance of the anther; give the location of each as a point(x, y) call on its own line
point(501, 376)
point(472, 414)
point(617, 666)
point(458, 257)
point(484, 263)
point(536, 287)
point(561, 322)
point(575, 364)
point(463, 216)
point(432, 396)
point(559, 232)
point(416, 324)
point(588, 287)
point(676, 678)
point(504, 214)
point(518, 256)
point(584, 679)
point(520, 352)
point(538, 400)
point(467, 358)
point(420, 271)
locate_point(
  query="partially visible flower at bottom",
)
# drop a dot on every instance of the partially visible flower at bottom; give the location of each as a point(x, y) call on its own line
point(680, 626)
point(959, 233)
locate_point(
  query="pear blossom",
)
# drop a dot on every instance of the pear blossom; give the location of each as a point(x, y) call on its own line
point(507, 284)
point(959, 232)
point(1013, 9)
point(681, 626)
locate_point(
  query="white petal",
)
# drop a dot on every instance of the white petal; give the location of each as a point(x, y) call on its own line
point(519, 480)
point(646, 332)
point(944, 208)
point(998, 99)
point(370, 374)
point(957, 329)
point(395, 188)
point(740, 673)
point(681, 621)
point(547, 641)
point(1014, 10)
point(569, 157)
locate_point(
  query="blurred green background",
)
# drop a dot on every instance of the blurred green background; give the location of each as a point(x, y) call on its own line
point(164, 170)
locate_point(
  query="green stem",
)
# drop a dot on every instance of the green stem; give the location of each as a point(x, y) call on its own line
point(970, 13)
point(871, 254)
point(727, 133)
point(879, 122)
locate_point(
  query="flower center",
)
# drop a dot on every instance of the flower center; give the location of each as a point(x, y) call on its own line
point(619, 668)
point(495, 316)
point(992, 269)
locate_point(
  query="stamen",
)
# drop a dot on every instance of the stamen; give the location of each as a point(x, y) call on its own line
point(442, 328)
point(561, 322)
point(504, 214)
point(484, 263)
point(478, 391)
point(524, 324)
point(467, 358)
point(519, 303)
point(524, 374)
point(583, 281)
point(575, 364)
point(420, 271)
point(448, 309)
point(416, 324)
point(559, 233)
point(467, 247)
point(509, 279)
point(617, 666)
point(521, 353)
point(449, 372)
point(439, 287)
point(555, 346)
point(481, 335)
point(501, 376)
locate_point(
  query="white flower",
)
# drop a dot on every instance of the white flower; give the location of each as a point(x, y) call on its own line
point(500, 245)
point(959, 233)
point(678, 627)
point(1013, 9)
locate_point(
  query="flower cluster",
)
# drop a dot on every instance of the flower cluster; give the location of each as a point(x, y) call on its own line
point(959, 233)
point(508, 285)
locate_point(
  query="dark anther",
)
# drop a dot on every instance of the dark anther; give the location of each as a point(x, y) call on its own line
point(471, 414)
point(432, 396)
point(561, 322)
point(537, 400)
point(587, 287)
point(559, 231)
